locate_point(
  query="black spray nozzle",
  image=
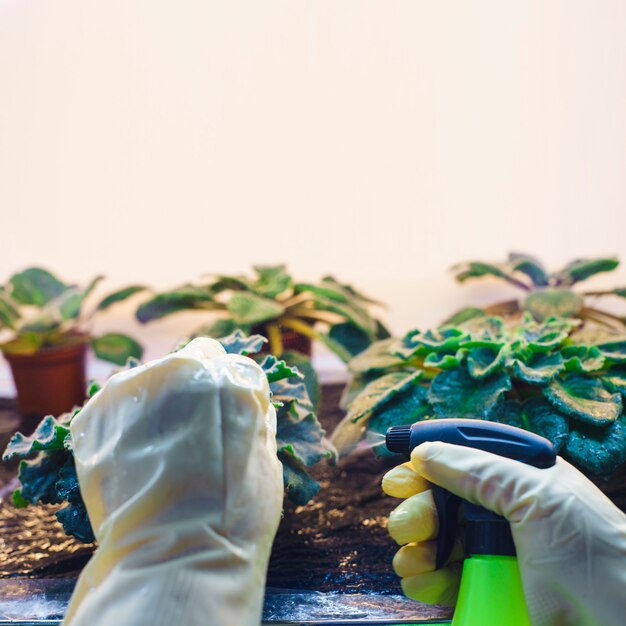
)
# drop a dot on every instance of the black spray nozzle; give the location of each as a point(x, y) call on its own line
point(487, 533)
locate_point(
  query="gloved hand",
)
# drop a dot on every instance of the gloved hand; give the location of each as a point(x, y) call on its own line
point(177, 465)
point(570, 538)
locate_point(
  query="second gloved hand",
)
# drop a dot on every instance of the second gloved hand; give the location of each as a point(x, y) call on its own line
point(570, 539)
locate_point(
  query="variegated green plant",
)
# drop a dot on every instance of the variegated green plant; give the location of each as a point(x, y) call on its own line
point(39, 311)
point(535, 375)
point(48, 475)
point(272, 301)
point(545, 294)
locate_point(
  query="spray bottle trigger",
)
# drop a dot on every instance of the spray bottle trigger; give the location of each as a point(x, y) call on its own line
point(447, 506)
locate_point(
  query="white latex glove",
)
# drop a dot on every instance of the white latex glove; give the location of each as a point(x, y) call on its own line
point(177, 465)
point(570, 538)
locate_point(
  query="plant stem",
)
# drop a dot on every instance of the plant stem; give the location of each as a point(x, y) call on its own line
point(275, 339)
point(603, 317)
point(301, 327)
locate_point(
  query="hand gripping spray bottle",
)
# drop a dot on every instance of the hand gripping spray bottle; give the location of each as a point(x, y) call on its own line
point(491, 588)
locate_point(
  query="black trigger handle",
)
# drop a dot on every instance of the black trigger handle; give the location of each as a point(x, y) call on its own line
point(447, 506)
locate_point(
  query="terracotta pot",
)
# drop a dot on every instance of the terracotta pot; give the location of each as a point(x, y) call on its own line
point(51, 381)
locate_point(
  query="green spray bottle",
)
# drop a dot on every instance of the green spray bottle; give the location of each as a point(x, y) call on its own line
point(491, 591)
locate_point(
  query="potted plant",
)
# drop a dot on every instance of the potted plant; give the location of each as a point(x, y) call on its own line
point(271, 303)
point(44, 338)
point(546, 294)
point(48, 476)
point(537, 375)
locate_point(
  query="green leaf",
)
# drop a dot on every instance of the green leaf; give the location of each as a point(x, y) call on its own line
point(335, 346)
point(465, 315)
point(293, 396)
point(119, 296)
point(487, 328)
point(352, 312)
point(552, 302)
point(349, 290)
point(483, 361)
point(478, 269)
point(406, 407)
point(351, 337)
point(276, 369)
point(546, 335)
point(75, 522)
point(304, 439)
point(537, 368)
point(49, 435)
point(584, 398)
point(379, 392)
point(447, 338)
point(300, 486)
point(39, 477)
point(35, 286)
point(456, 394)
point(247, 308)
point(327, 291)
point(272, 280)
point(530, 266)
point(445, 360)
point(599, 451)
point(238, 343)
point(116, 348)
point(381, 355)
point(19, 502)
point(615, 379)
point(582, 359)
point(303, 364)
point(614, 351)
point(183, 299)
point(543, 419)
point(9, 313)
point(508, 412)
point(581, 269)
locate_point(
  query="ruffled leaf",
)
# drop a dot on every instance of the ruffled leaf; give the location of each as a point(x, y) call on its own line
point(238, 343)
point(584, 398)
point(537, 368)
point(484, 360)
point(600, 451)
point(49, 435)
point(39, 477)
point(445, 360)
point(379, 392)
point(543, 419)
point(508, 412)
point(381, 355)
point(300, 486)
point(582, 359)
point(406, 407)
point(613, 351)
point(305, 439)
point(276, 369)
point(615, 379)
point(456, 394)
point(75, 522)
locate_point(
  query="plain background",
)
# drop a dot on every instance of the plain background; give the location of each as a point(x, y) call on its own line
point(378, 141)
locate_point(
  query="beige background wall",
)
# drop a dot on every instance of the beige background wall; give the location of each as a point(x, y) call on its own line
point(381, 141)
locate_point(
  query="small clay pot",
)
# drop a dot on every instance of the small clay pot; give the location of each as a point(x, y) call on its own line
point(50, 381)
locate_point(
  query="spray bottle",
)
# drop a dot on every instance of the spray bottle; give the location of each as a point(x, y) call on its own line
point(491, 591)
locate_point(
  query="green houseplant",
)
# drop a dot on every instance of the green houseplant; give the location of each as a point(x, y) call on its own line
point(47, 472)
point(271, 303)
point(545, 294)
point(44, 332)
point(535, 375)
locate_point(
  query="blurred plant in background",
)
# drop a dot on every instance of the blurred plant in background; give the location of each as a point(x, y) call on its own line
point(545, 294)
